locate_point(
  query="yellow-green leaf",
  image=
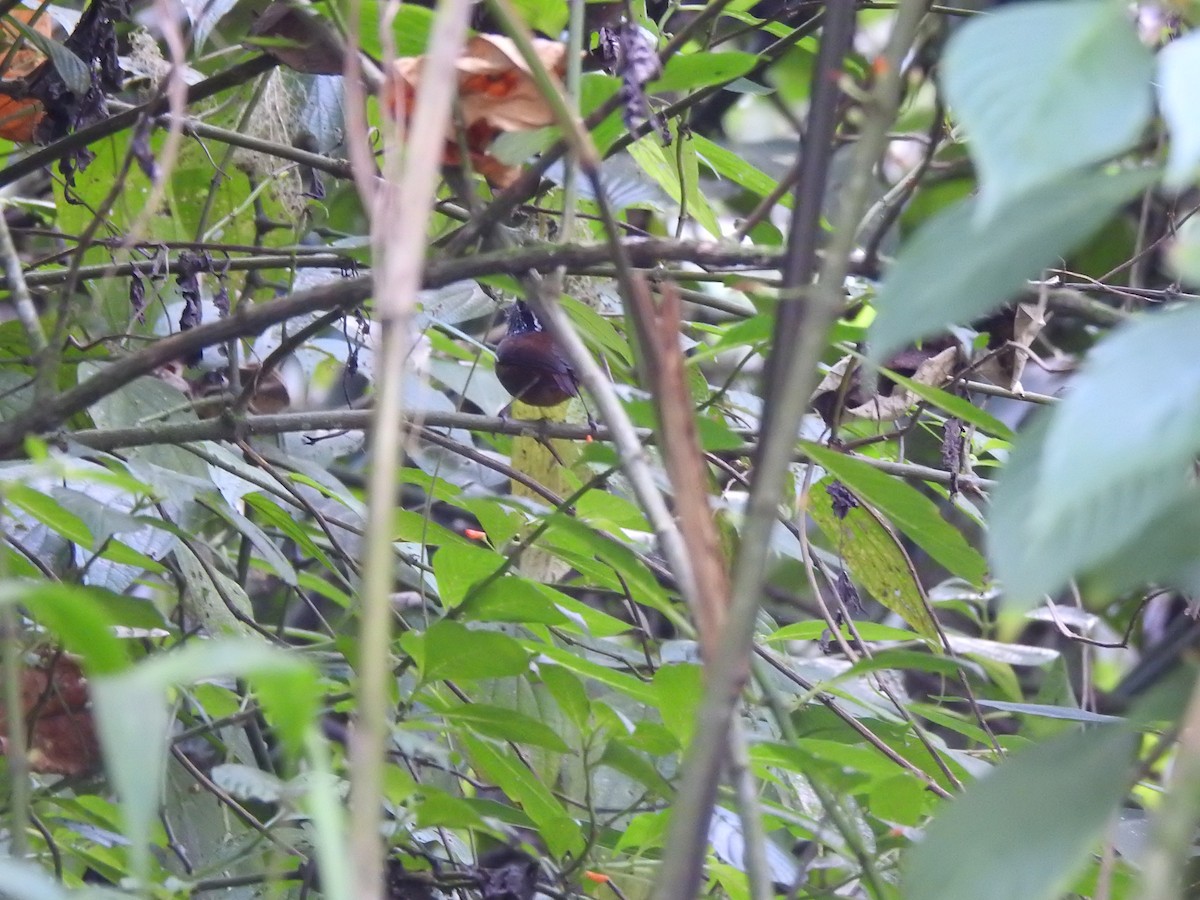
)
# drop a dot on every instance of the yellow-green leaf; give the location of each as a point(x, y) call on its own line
point(874, 557)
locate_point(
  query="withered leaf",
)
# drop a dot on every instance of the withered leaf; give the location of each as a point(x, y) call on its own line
point(56, 706)
point(297, 39)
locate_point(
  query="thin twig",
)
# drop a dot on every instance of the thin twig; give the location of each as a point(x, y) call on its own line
point(27, 313)
point(401, 210)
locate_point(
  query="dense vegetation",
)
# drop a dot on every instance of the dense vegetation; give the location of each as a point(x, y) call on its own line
point(863, 565)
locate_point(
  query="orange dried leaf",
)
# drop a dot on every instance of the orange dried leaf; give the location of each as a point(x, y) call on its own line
point(19, 58)
point(55, 703)
point(22, 62)
point(19, 117)
point(496, 93)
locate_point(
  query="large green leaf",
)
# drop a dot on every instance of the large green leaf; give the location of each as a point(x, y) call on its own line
point(450, 650)
point(908, 509)
point(1178, 75)
point(737, 169)
point(955, 405)
point(875, 558)
point(1044, 89)
point(695, 70)
point(1133, 411)
point(133, 717)
point(675, 170)
point(505, 725)
point(459, 567)
point(560, 831)
point(1026, 830)
point(1100, 483)
point(78, 616)
point(956, 268)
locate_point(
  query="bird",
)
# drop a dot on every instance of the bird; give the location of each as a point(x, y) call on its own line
point(530, 365)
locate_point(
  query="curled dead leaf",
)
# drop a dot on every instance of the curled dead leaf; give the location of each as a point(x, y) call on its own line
point(56, 705)
point(269, 393)
point(932, 366)
point(496, 91)
point(19, 58)
point(297, 39)
point(1012, 333)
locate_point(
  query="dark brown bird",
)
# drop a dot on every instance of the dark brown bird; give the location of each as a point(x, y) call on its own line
point(530, 365)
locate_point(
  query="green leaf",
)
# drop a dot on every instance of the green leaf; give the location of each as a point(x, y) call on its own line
point(1143, 380)
point(698, 206)
point(79, 616)
point(417, 528)
point(875, 558)
point(505, 725)
point(560, 831)
point(437, 808)
point(901, 659)
point(1069, 713)
point(696, 70)
point(50, 513)
point(568, 692)
point(459, 567)
point(901, 799)
point(679, 185)
point(547, 16)
point(1045, 807)
point(73, 70)
point(621, 682)
point(680, 690)
point(811, 631)
point(729, 165)
point(598, 331)
point(509, 599)
point(1075, 68)
point(908, 509)
point(450, 650)
point(1178, 75)
point(956, 268)
point(675, 168)
point(282, 519)
point(624, 759)
point(1125, 508)
point(133, 717)
point(258, 538)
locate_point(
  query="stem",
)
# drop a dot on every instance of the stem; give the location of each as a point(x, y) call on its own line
point(18, 759)
point(795, 373)
point(400, 225)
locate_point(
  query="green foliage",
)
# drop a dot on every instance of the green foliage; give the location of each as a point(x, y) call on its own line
point(960, 265)
point(1047, 808)
point(188, 535)
point(1074, 67)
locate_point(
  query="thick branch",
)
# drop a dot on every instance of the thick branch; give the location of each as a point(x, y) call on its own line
point(253, 320)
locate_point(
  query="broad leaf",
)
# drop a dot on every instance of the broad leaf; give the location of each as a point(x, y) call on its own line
point(451, 650)
point(1074, 69)
point(1132, 411)
point(1178, 75)
point(874, 556)
point(133, 716)
point(695, 70)
point(505, 724)
point(1067, 505)
point(561, 832)
point(956, 268)
point(1045, 808)
point(908, 509)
